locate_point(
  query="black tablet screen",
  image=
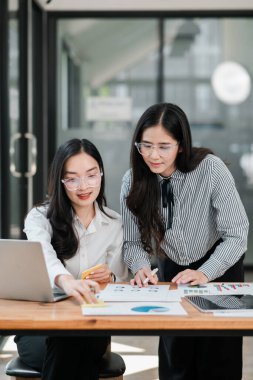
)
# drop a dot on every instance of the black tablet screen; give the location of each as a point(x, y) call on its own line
point(222, 302)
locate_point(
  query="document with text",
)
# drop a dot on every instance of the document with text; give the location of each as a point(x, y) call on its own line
point(216, 288)
point(129, 293)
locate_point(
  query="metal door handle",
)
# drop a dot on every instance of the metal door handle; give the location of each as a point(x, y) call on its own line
point(32, 155)
point(14, 138)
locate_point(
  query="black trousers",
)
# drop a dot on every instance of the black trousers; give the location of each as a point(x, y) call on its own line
point(60, 358)
point(200, 358)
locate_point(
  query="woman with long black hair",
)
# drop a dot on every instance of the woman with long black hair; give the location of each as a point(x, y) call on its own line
point(180, 204)
point(77, 231)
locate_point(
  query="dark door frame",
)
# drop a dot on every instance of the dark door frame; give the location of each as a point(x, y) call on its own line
point(39, 114)
point(4, 122)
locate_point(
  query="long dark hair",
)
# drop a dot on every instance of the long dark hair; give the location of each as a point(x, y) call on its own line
point(60, 212)
point(144, 196)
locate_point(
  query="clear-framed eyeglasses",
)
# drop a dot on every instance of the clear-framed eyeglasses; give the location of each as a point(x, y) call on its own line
point(74, 183)
point(146, 149)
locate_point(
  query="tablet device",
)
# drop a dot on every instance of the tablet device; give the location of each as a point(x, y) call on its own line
point(215, 303)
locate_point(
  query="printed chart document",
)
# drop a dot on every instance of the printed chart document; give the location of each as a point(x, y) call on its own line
point(129, 293)
point(216, 288)
point(137, 308)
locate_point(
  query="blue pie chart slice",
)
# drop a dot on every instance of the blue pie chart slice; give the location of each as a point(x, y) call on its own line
point(150, 308)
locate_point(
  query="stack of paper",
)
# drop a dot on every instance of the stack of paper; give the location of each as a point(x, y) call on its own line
point(124, 299)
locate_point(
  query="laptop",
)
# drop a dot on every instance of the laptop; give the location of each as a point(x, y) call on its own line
point(23, 272)
point(224, 303)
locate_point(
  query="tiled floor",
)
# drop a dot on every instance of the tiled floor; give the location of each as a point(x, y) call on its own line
point(140, 355)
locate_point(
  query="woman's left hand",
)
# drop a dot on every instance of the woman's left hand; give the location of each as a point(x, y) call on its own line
point(194, 277)
point(102, 274)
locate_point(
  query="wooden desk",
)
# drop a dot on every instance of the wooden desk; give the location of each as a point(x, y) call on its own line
point(65, 318)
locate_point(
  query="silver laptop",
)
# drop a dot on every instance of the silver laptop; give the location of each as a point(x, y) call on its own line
point(23, 272)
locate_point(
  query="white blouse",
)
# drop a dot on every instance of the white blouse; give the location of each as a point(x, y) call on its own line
point(100, 243)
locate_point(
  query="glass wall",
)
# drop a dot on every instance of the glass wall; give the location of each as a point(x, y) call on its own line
point(108, 71)
point(107, 75)
point(192, 56)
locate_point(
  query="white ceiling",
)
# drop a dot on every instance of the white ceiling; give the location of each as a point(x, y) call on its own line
point(144, 5)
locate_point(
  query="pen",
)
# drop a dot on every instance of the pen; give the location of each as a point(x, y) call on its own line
point(154, 271)
point(223, 285)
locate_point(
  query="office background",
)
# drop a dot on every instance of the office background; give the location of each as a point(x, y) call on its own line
point(82, 69)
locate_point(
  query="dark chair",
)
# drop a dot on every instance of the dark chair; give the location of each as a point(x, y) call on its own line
point(112, 367)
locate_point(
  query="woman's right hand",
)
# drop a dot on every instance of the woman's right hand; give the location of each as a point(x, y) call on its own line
point(81, 290)
point(141, 275)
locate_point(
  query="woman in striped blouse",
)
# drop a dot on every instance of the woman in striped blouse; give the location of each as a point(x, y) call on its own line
point(180, 203)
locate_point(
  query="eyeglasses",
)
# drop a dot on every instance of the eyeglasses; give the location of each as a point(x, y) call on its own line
point(146, 149)
point(73, 184)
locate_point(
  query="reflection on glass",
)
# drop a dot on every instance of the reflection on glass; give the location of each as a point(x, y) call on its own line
point(107, 70)
point(15, 228)
point(193, 49)
point(106, 58)
point(246, 162)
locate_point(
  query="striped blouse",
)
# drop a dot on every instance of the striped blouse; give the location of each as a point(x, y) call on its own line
point(207, 207)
